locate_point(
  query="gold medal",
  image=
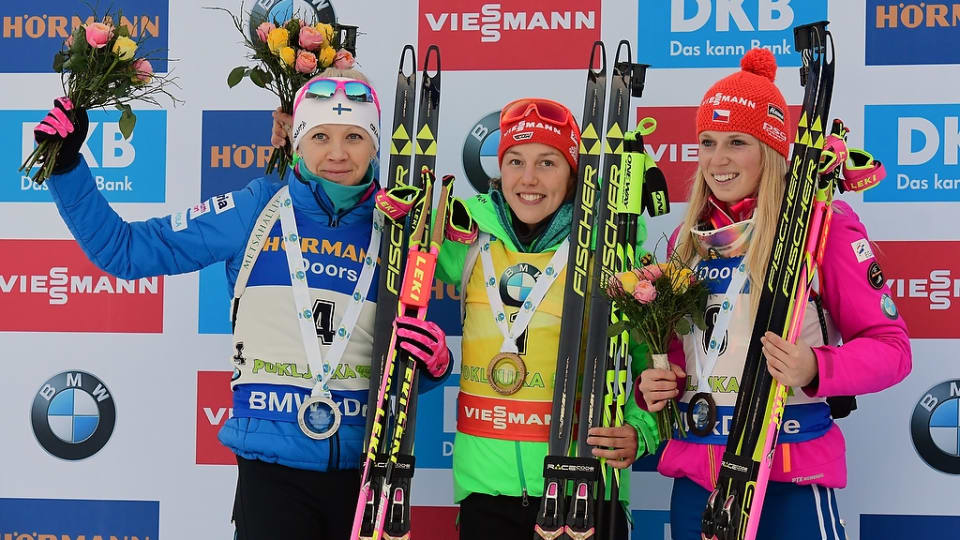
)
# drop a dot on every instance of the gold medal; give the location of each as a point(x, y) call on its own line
point(506, 373)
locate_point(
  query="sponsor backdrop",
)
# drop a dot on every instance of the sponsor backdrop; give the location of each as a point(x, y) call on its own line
point(113, 390)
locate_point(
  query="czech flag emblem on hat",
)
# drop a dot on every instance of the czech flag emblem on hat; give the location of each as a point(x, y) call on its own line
point(721, 115)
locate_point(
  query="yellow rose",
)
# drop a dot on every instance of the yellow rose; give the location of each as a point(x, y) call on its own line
point(326, 29)
point(277, 39)
point(288, 55)
point(325, 56)
point(124, 48)
point(680, 279)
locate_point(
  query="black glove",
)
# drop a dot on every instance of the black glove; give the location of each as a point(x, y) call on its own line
point(58, 125)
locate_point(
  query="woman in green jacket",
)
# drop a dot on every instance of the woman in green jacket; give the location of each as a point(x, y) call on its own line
point(502, 424)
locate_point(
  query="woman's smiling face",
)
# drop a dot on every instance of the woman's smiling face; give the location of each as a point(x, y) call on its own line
point(535, 181)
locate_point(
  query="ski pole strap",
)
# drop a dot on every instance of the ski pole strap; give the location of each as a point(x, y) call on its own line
point(460, 226)
point(397, 201)
point(864, 173)
point(323, 368)
point(721, 324)
point(510, 334)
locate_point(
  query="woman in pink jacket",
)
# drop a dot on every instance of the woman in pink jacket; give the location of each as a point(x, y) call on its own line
point(734, 203)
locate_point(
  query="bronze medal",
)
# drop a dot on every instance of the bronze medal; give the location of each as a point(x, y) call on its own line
point(506, 373)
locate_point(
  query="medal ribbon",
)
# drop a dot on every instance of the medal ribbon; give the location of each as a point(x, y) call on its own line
point(721, 323)
point(530, 303)
point(324, 368)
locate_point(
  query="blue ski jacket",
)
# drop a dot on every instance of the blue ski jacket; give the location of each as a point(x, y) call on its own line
point(263, 425)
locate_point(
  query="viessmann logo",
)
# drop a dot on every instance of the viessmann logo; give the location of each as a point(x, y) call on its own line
point(214, 408)
point(926, 289)
point(51, 286)
point(510, 34)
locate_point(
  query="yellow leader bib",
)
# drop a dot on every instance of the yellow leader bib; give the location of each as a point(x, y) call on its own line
point(482, 411)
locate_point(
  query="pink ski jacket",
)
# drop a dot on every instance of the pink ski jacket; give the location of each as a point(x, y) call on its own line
point(874, 354)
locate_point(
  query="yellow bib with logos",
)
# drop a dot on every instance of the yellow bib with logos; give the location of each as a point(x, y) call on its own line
point(524, 415)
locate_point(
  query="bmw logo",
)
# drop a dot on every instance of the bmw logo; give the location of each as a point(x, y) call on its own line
point(73, 415)
point(480, 152)
point(284, 10)
point(935, 427)
point(516, 282)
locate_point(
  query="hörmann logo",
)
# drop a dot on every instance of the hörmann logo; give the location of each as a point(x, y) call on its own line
point(716, 33)
point(78, 519)
point(32, 32)
point(911, 32)
point(487, 35)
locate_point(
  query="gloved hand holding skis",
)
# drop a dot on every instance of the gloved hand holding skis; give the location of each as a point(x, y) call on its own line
point(425, 341)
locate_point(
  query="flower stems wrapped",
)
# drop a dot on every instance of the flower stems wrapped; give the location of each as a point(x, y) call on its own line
point(100, 65)
point(659, 301)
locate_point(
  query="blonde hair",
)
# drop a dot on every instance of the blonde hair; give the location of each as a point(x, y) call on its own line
point(350, 73)
point(773, 170)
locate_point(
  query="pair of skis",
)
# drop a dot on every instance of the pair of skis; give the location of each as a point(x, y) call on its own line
point(383, 508)
point(733, 509)
point(578, 515)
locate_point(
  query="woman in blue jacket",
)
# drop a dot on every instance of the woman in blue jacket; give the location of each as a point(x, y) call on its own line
point(303, 320)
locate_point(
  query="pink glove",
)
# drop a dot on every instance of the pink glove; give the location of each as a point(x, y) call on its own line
point(425, 341)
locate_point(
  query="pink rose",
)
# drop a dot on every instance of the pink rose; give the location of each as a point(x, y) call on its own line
point(311, 39)
point(306, 62)
point(143, 69)
point(98, 34)
point(645, 292)
point(343, 60)
point(650, 272)
point(264, 29)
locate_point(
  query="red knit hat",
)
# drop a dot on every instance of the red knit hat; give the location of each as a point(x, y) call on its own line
point(535, 120)
point(748, 102)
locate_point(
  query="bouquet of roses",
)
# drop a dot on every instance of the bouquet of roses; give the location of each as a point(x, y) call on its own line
point(100, 66)
point(287, 55)
point(659, 301)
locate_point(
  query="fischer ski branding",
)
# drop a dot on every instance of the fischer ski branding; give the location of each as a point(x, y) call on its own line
point(579, 516)
point(733, 509)
point(390, 374)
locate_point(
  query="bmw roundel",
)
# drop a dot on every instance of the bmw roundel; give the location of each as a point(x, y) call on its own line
point(284, 10)
point(935, 427)
point(516, 282)
point(73, 415)
point(480, 152)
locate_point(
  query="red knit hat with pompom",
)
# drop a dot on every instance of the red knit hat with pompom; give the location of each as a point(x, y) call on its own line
point(748, 102)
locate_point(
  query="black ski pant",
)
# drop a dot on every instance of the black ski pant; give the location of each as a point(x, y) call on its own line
point(274, 501)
